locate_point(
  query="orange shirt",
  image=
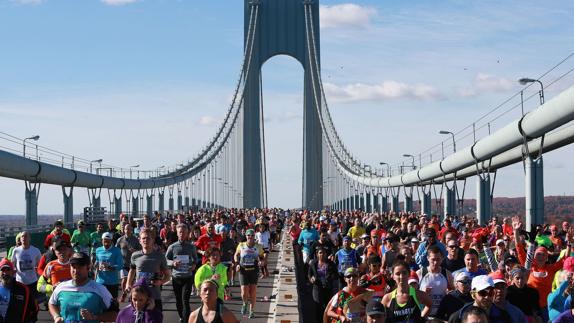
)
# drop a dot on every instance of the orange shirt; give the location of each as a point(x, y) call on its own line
point(56, 272)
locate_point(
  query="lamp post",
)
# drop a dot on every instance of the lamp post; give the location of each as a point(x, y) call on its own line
point(99, 161)
point(35, 138)
point(158, 169)
point(388, 168)
point(526, 80)
point(413, 159)
point(131, 168)
point(444, 132)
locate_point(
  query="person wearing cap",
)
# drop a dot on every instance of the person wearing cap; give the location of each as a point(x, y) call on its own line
point(150, 265)
point(362, 247)
point(375, 312)
point(431, 239)
point(248, 257)
point(349, 304)
point(482, 291)
point(81, 298)
point(455, 299)
point(58, 270)
point(181, 257)
point(26, 259)
point(17, 303)
point(57, 234)
point(80, 240)
point(499, 298)
point(391, 245)
point(109, 263)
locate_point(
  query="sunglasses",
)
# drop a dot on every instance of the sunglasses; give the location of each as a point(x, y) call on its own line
point(352, 277)
point(452, 247)
point(464, 282)
point(485, 292)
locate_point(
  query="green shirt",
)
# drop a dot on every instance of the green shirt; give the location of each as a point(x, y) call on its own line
point(96, 239)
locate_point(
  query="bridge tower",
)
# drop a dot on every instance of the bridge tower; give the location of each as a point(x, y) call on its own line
point(281, 30)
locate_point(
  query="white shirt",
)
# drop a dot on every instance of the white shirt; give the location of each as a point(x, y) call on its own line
point(263, 239)
point(26, 262)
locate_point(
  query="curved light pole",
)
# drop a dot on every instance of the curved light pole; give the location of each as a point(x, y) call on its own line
point(413, 159)
point(99, 161)
point(35, 138)
point(526, 80)
point(131, 168)
point(444, 132)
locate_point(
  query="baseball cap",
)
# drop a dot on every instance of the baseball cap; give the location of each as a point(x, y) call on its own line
point(6, 263)
point(108, 235)
point(461, 276)
point(497, 277)
point(541, 250)
point(510, 260)
point(352, 271)
point(79, 258)
point(250, 232)
point(499, 241)
point(569, 264)
point(365, 236)
point(346, 238)
point(413, 277)
point(481, 282)
point(58, 223)
point(375, 307)
point(81, 222)
point(415, 240)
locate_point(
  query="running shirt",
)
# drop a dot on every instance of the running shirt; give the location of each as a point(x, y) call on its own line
point(26, 261)
point(263, 239)
point(248, 255)
point(353, 312)
point(57, 272)
point(81, 241)
point(438, 283)
point(113, 262)
point(346, 258)
point(96, 240)
point(148, 267)
point(128, 245)
point(71, 299)
point(404, 313)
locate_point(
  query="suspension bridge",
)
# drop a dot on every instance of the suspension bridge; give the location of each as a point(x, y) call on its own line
point(230, 169)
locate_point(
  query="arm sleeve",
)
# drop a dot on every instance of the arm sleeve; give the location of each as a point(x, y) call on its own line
point(521, 253)
point(529, 256)
point(169, 256)
point(492, 263)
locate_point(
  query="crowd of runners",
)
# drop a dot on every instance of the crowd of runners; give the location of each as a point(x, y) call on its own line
point(410, 267)
point(116, 272)
point(360, 267)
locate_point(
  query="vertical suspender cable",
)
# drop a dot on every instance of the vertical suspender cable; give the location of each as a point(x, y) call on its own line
point(263, 156)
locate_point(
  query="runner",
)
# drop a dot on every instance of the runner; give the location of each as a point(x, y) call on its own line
point(214, 270)
point(82, 299)
point(182, 258)
point(109, 263)
point(17, 305)
point(149, 265)
point(141, 308)
point(128, 244)
point(26, 258)
point(211, 310)
point(56, 271)
point(81, 241)
point(248, 257)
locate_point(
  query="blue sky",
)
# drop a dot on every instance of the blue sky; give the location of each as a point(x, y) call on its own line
point(147, 82)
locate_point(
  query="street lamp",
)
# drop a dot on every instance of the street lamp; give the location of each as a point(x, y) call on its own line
point(526, 80)
point(157, 169)
point(131, 168)
point(388, 169)
point(444, 132)
point(35, 138)
point(99, 161)
point(413, 159)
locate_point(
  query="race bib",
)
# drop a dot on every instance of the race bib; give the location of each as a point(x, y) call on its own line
point(184, 263)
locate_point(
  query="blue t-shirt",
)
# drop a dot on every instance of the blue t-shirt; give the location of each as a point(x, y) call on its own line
point(4, 300)
point(112, 257)
point(346, 258)
point(307, 237)
point(71, 299)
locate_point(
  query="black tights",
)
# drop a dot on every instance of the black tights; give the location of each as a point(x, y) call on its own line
point(182, 289)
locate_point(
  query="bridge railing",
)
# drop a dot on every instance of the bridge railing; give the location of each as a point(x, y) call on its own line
point(7, 234)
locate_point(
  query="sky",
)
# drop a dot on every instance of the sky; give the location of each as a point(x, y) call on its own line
point(148, 82)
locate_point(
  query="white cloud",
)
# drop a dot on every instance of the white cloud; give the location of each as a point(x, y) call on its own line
point(208, 121)
point(387, 90)
point(118, 2)
point(346, 15)
point(486, 83)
